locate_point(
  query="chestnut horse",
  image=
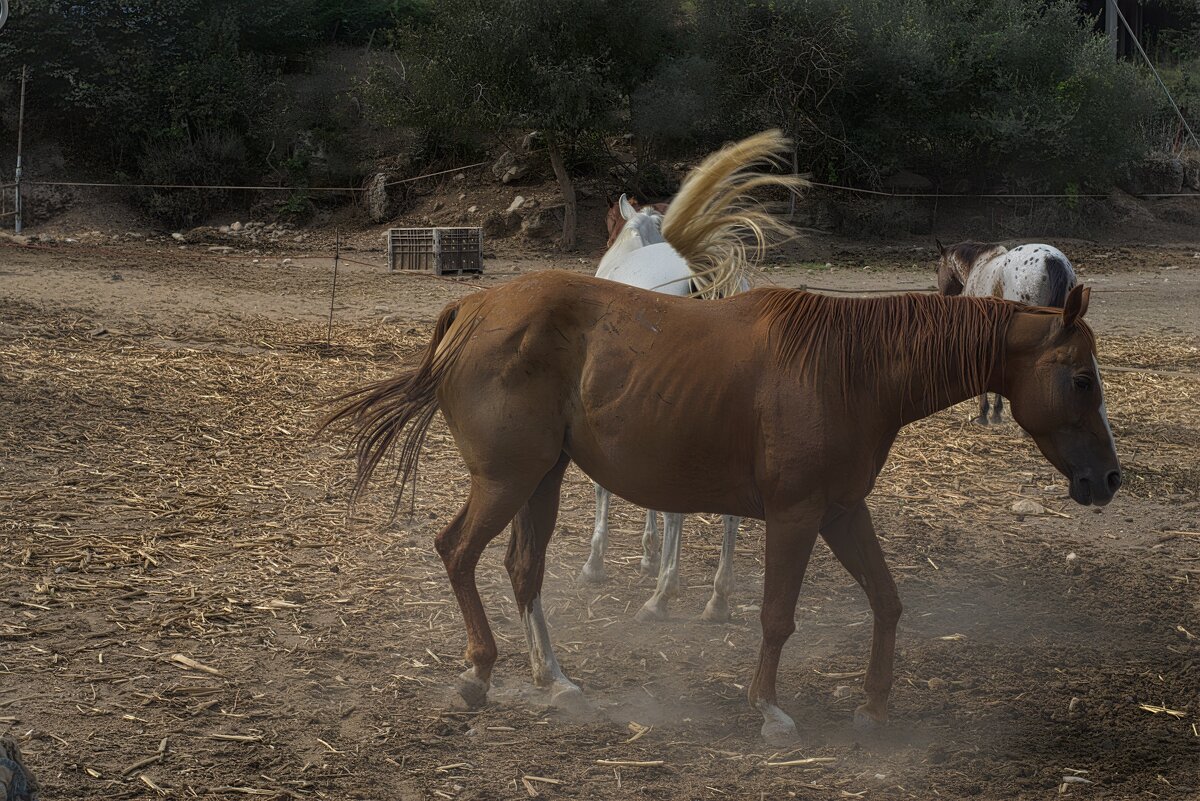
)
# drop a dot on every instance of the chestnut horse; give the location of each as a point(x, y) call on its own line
point(698, 248)
point(1037, 275)
point(775, 404)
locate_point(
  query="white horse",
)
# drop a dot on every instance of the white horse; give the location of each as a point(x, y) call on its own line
point(699, 248)
point(1037, 275)
point(642, 257)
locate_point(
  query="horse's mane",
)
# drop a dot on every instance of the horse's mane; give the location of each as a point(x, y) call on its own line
point(714, 213)
point(968, 253)
point(866, 339)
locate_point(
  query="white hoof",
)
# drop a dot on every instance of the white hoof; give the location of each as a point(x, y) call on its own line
point(593, 574)
point(716, 611)
point(777, 727)
point(654, 609)
point(567, 697)
point(471, 689)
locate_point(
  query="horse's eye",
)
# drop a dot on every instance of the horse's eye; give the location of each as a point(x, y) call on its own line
point(1083, 382)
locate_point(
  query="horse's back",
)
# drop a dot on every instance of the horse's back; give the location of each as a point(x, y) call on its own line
point(656, 267)
point(1033, 274)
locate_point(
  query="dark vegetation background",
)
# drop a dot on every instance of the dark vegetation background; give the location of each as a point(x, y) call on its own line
point(957, 95)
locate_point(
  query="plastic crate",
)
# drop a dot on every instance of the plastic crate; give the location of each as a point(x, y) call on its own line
point(440, 250)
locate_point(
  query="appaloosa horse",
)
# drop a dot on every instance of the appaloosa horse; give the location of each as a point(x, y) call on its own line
point(1036, 275)
point(739, 406)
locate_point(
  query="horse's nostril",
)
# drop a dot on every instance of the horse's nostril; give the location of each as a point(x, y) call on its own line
point(1114, 480)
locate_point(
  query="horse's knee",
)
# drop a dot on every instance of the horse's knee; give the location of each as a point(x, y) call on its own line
point(888, 609)
point(776, 628)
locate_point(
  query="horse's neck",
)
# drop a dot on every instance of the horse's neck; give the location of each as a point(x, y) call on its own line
point(918, 388)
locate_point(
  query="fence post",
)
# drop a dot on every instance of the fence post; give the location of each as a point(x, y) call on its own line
point(1110, 26)
point(17, 176)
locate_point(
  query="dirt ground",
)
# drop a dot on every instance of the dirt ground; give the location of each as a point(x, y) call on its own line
point(189, 612)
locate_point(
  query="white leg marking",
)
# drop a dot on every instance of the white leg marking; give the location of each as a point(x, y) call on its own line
point(593, 568)
point(650, 545)
point(668, 574)
point(546, 670)
point(717, 610)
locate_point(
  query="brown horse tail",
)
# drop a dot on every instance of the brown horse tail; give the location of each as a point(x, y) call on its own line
point(379, 413)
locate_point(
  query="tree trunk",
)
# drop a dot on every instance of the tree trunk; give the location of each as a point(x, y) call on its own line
point(568, 193)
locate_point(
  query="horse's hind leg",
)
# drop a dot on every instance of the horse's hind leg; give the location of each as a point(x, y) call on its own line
point(852, 540)
point(489, 508)
point(593, 568)
point(668, 575)
point(717, 610)
point(651, 545)
point(526, 563)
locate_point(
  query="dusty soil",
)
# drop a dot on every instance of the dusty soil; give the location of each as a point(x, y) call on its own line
point(189, 613)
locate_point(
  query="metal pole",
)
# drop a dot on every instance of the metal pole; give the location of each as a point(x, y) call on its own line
point(20, 136)
point(337, 250)
point(1110, 24)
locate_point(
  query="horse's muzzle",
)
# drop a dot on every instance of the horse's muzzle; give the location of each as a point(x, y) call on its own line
point(1086, 490)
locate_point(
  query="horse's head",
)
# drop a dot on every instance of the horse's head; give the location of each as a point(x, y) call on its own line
point(639, 226)
point(948, 279)
point(1053, 384)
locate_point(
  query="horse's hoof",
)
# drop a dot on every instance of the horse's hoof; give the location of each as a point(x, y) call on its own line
point(868, 720)
point(653, 610)
point(647, 567)
point(471, 689)
point(568, 698)
point(980, 421)
point(592, 575)
point(779, 731)
point(716, 611)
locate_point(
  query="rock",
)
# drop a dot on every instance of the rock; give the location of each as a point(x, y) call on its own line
point(498, 225)
point(1191, 172)
point(842, 691)
point(936, 684)
point(1158, 173)
point(462, 195)
point(472, 209)
point(286, 261)
point(178, 237)
point(1025, 506)
point(460, 176)
point(224, 229)
point(383, 201)
point(518, 201)
point(544, 223)
point(533, 141)
point(510, 167)
point(235, 227)
point(223, 249)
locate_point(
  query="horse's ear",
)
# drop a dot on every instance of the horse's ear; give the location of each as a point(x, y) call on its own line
point(1076, 305)
point(627, 211)
point(941, 248)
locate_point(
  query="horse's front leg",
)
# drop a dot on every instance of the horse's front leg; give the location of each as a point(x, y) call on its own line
point(668, 575)
point(593, 568)
point(717, 610)
point(998, 409)
point(852, 539)
point(790, 538)
point(650, 545)
point(982, 419)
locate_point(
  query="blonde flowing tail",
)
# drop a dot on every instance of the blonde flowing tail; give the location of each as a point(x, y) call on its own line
point(716, 224)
